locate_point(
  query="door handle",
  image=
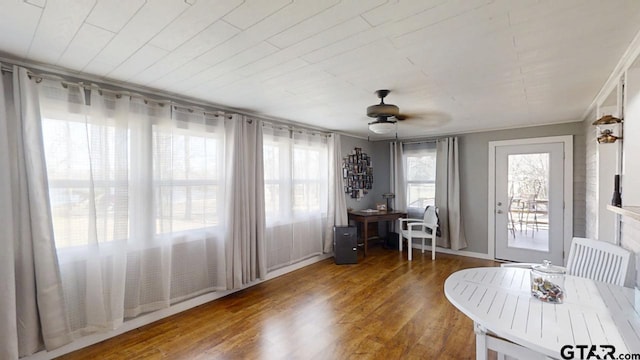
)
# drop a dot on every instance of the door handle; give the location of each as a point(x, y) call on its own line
point(499, 211)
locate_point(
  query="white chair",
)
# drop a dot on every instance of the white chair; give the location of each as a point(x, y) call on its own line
point(601, 261)
point(420, 228)
point(597, 260)
point(588, 258)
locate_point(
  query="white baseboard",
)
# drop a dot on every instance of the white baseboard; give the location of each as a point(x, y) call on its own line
point(163, 313)
point(455, 252)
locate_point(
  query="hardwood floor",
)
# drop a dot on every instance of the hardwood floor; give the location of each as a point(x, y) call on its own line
point(382, 308)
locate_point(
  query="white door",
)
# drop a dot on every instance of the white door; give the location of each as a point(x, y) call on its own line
point(529, 202)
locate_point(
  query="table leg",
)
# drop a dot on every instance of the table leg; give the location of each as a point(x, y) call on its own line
point(481, 341)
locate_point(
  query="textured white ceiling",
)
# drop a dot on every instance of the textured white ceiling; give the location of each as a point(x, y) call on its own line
point(458, 66)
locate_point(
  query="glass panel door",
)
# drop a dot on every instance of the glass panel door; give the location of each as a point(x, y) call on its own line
point(528, 190)
point(529, 197)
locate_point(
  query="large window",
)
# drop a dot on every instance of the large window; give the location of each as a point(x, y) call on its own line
point(296, 185)
point(186, 170)
point(87, 169)
point(420, 165)
point(296, 175)
point(136, 193)
point(99, 186)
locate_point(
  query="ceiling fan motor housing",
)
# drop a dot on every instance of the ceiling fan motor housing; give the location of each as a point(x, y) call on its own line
point(382, 110)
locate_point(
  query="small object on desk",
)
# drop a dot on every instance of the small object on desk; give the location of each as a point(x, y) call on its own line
point(547, 283)
point(381, 207)
point(388, 197)
point(369, 210)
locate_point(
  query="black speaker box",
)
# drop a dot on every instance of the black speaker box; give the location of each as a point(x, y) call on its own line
point(345, 244)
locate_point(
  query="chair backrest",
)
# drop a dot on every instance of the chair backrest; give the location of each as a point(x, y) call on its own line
point(430, 215)
point(601, 261)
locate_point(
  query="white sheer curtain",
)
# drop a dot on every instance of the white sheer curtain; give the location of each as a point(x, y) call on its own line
point(398, 179)
point(32, 314)
point(245, 199)
point(448, 194)
point(296, 180)
point(337, 205)
point(136, 192)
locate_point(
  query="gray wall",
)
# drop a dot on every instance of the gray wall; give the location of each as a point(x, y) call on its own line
point(379, 152)
point(474, 182)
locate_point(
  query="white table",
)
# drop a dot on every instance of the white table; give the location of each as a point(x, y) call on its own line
point(499, 302)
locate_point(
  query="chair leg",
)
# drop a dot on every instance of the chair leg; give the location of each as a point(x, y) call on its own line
point(423, 245)
point(409, 245)
point(433, 248)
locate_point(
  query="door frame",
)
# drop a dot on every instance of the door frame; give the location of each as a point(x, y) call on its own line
point(567, 188)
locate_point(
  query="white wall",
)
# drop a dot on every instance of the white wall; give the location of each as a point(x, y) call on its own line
point(600, 157)
point(607, 169)
point(631, 142)
point(630, 238)
point(591, 178)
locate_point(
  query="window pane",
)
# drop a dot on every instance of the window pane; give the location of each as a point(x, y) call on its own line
point(186, 167)
point(421, 195)
point(76, 152)
point(306, 163)
point(271, 154)
point(186, 207)
point(528, 184)
point(306, 197)
point(422, 167)
point(421, 176)
point(272, 199)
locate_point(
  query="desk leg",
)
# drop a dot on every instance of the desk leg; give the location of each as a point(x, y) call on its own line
point(481, 341)
point(365, 235)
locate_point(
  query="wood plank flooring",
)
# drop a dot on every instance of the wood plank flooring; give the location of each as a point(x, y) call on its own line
point(384, 307)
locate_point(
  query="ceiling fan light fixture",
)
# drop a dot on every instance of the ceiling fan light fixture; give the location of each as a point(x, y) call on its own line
point(382, 127)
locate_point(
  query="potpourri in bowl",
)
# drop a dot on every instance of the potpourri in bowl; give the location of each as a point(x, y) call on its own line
point(547, 283)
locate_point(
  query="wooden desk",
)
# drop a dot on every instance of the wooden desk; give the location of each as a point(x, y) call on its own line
point(499, 302)
point(365, 218)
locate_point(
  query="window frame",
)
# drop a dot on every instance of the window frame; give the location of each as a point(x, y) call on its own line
point(417, 153)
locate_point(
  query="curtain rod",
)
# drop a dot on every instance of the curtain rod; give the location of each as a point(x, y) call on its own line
point(422, 141)
point(128, 92)
point(274, 125)
point(125, 92)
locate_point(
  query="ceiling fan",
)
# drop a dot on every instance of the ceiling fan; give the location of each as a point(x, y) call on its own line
point(386, 115)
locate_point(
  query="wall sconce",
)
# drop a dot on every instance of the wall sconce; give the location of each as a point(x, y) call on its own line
point(609, 128)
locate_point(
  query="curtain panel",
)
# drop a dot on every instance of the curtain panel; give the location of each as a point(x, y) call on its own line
point(32, 311)
point(137, 200)
point(296, 186)
point(448, 194)
point(113, 206)
point(337, 203)
point(397, 176)
point(245, 242)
